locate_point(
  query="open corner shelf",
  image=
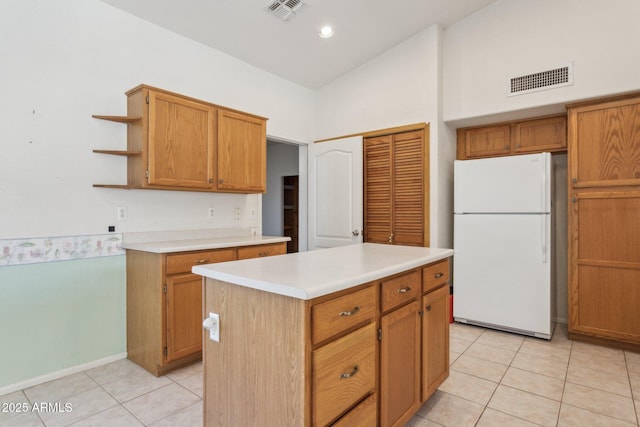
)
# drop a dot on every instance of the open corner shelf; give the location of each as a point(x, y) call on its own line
point(119, 119)
point(125, 187)
point(119, 152)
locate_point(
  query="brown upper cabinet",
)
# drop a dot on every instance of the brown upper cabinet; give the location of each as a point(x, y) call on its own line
point(510, 138)
point(396, 199)
point(604, 149)
point(179, 143)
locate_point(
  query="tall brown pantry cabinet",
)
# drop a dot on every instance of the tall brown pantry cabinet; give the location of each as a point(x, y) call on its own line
point(604, 219)
point(396, 195)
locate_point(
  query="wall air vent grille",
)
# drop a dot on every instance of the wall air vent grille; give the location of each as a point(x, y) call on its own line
point(543, 80)
point(283, 9)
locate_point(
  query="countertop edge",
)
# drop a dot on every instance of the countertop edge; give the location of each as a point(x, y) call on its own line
point(187, 245)
point(334, 286)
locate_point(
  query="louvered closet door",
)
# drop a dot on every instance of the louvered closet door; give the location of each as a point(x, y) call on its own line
point(408, 188)
point(377, 194)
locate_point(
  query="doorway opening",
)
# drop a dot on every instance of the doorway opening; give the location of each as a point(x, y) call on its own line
point(290, 211)
point(286, 159)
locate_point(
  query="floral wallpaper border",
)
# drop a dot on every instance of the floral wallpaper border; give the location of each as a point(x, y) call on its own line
point(50, 249)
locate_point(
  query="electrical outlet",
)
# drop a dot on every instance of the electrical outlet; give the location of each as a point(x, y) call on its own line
point(211, 212)
point(121, 213)
point(236, 213)
point(212, 323)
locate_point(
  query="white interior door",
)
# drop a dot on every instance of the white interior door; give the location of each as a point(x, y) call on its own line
point(335, 193)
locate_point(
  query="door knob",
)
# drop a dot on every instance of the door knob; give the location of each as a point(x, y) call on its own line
point(355, 233)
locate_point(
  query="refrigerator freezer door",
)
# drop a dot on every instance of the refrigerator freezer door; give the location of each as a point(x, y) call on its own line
point(502, 272)
point(503, 184)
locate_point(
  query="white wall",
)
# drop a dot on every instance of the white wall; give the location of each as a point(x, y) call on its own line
point(63, 62)
point(511, 38)
point(399, 87)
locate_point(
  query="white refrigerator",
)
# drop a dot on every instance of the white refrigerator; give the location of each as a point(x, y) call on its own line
point(503, 262)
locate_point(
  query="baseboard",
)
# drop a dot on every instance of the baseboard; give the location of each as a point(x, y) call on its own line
point(59, 374)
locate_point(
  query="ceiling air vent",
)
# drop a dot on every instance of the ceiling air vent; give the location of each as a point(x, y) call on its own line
point(543, 80)
point(283, 9)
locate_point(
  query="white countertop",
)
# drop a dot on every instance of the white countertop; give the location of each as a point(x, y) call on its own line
point(307, 275)
point(194, 244)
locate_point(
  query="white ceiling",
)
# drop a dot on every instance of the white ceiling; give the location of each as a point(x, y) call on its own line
point(292, 49)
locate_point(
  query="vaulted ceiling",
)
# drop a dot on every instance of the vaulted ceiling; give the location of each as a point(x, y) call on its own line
point(291, 48)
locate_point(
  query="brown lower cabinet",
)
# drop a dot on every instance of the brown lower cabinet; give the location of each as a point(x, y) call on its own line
point(164, 303)
point(603, 221)
point(367, 356)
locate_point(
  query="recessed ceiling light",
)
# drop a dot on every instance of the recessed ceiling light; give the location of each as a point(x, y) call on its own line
point(326, 32)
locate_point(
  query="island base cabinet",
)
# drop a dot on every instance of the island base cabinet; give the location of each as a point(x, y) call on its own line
point(255, 374)
point(399, 365)
point(359, 357)
point(435, 340)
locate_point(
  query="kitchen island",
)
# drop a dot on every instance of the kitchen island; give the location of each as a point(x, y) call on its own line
point(350, 336)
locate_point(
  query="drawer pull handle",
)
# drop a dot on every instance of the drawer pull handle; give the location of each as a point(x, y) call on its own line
point(404, 290)
point(438, 275)
point(428, 307)
point(263, 254)
point(350, 313)
point(349, 374)
point(201, 261)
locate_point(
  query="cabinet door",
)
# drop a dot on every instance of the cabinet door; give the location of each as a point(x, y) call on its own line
point(399, 365)
point(378, 190)
point(395, 197)
point(408, 189)
point(604, 264)
point(242, 152)
point(181, 135)
point(604, 144)
point(184, 315)
point(487, 141)
point(435, 340)
point(535, 136)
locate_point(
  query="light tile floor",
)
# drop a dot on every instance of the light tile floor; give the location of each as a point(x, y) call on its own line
point(497, 379)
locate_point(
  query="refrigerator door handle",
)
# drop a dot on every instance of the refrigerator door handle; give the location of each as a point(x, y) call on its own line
point(543, 191)
point(543, 238)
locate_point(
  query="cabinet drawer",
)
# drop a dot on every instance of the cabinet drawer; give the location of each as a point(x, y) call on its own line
point(399, 290)
point(182, 263)
point(247, 252)
point(434, 275)
point(344, 371)
point(334, 316)
point(363, 415)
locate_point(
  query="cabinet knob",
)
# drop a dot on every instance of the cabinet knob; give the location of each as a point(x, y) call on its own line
point(438, 275)
point(263, 254)
point(404, 290)
point(428, 307)
point(391, 238)
point(221, 181)
point(350, 313)
point(349, 374)
point(201, 261)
